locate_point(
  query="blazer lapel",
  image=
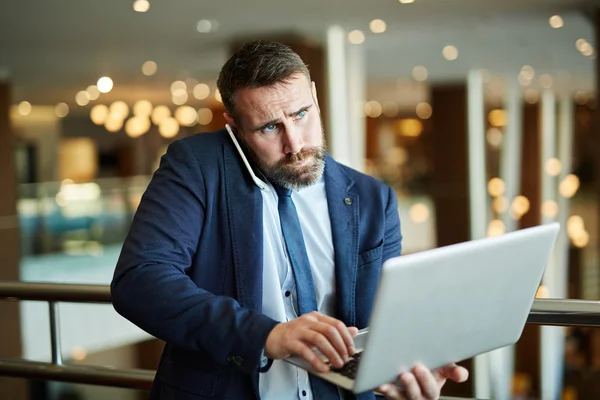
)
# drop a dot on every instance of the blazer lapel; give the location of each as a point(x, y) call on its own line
point(343, 212)
point(244, 208)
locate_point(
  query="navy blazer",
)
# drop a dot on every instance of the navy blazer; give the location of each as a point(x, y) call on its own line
point(190, 271)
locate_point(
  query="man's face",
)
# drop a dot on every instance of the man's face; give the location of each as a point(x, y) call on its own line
point(281, 131)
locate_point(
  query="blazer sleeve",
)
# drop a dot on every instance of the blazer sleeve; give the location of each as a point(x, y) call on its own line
point(392, 242)
point(150, 286)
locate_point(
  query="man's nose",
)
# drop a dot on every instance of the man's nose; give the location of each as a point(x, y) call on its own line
point(293, 141)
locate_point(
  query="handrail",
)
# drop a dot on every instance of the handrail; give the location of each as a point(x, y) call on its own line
point(72, 293)
point(558, 312)
point(87, 374)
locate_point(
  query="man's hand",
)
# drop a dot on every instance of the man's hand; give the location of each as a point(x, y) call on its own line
point(313, 330)
point(422, 383)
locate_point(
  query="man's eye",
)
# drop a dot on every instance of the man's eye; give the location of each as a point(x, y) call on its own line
point(269, 128)
point(301, 114)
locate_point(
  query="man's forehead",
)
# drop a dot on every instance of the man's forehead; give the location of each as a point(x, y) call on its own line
point(269, 102)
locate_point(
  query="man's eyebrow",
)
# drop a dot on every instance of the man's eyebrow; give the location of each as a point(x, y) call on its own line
point(278, 120)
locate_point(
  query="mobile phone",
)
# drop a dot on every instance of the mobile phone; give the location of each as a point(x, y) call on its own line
point(260, 183)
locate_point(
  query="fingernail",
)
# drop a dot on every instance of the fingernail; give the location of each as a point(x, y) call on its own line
point(352, 350)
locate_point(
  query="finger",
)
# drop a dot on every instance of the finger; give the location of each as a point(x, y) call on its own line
point(353, 331)
point(427, 382)
point(411, 386)
point(321, 342)
point(342, 329)
point(390, 392)
point(453, 372)
point(332, 334)
point(304, 351)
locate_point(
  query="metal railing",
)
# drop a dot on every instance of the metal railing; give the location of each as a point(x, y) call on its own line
point(555, 312)
point(57, 371)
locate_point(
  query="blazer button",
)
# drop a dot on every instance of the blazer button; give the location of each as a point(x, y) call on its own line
point(348, 200)
point(238, 361)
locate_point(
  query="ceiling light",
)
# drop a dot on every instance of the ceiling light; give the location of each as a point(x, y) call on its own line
point(82, 98)
point(496, 228)
point(406, 1)
point(180, 98)
point(114, 122)
point(377, 26)
point(99, 114)
point(61, 110)
point(496, 187)
point(450, 53)
point(159, 114)
point(104, 84)
point(356, 37)
point(93, 92)
point(119, 108)
point(527, 72)
point(424, 110)
point(580, 43)
point(494, 137)
point(556, 21)
point(169, 128)
point(420, 73)
point(206, 26)
point(24, 108)
point(410, 127)
point(201, 91)
point(149, 68)
point(177, 87)
point(373, 109)
point(186, 115)
point(205, 116)
point(141, 5)
point(137, 126)
point(142, 108)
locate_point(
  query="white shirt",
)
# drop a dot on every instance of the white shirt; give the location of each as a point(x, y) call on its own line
point(283, 380)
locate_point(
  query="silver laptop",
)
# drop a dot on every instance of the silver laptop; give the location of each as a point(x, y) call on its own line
point(447, 305)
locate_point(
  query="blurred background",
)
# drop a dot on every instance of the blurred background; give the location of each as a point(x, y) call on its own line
point(481, 114)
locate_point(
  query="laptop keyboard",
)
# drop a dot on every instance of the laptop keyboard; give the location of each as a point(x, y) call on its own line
point(349, 369)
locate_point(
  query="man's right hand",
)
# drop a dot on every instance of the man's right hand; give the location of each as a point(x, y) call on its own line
point(313, 330)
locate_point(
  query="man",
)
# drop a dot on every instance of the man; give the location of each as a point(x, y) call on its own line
point(234, 277)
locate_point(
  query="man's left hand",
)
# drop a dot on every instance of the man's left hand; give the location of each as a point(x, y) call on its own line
point(422, 383)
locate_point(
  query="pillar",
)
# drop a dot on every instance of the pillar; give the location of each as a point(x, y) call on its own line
point(10, 334)
point(449, 188)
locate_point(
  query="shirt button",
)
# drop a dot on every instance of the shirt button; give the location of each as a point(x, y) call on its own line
point(287, 293)
point(304, 393)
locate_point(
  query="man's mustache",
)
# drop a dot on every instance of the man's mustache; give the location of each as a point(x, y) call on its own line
point(301, 155)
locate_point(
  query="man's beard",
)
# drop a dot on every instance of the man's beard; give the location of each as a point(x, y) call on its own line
point(285, 174)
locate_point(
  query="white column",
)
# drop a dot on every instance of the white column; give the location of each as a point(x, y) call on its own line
point(510, 168)
point(478, 198)
point(502, 360)
point(337, 95)
point(552, 341)
point(565, 155)
point(357, 92)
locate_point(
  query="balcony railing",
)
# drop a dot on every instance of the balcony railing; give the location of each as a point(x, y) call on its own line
point(557, 312)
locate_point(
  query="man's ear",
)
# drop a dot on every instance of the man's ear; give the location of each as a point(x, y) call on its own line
point(313, 88)
point(229, 120)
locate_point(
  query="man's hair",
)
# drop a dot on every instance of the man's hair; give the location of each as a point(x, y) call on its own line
point(257, 64)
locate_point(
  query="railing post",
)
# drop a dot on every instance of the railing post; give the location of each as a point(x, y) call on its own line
point(55, 333)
